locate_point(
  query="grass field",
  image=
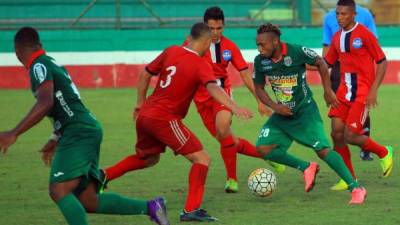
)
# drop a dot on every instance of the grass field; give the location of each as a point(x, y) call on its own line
point(23, 178)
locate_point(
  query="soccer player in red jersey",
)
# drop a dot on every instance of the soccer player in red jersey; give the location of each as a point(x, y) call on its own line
point(181, 71)
point(358, 51)
point(216, 117)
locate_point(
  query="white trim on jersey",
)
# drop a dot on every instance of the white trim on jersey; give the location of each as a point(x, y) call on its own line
point(343, 38)
point(212, 52)
point(190, 50)
point(347, 80)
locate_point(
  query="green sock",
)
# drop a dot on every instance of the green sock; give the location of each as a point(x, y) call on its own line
point(112, 203)
point(282, 157)
point(72, 210)
point(335, 161)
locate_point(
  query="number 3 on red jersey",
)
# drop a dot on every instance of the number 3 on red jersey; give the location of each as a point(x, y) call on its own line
point(167, 82)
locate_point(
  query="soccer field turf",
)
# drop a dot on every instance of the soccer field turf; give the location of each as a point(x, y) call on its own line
point(24, 178)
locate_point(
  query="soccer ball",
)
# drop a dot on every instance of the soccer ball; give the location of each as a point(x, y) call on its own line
point(262, 182)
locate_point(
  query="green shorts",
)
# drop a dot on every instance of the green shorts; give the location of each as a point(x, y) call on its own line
point(305, 128)
point(77, 154)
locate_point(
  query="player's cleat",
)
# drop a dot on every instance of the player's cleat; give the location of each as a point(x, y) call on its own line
point(358, 195)
point(157, 211)
point(279, 168)
point(310, 174)
point(231, 186)
point(104, 181)
point(199, 215)
point(365, 156)
point(387, 162)
point(340, 186)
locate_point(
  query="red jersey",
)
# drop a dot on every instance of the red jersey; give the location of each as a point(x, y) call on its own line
point(181, 71)
point(219, 56)
point(357, 51)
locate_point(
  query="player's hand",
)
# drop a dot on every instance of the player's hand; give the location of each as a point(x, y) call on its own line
point(242, 113)
point(264, 110)
point(7, 138)
point(135, 113)
point(282, 110)
point(372, 99)
point(48, 151)
point(330, 99)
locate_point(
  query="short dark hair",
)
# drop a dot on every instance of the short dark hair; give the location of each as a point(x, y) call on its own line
point(269, 28)
point(350, 3)
point(199, 30)
point(27, 37)
point(213, 13)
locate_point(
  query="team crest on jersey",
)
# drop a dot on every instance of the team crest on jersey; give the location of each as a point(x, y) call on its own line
point(227, 55)
point(357, 43)
point(310, 53)
point(287, 61)
point(40, 72)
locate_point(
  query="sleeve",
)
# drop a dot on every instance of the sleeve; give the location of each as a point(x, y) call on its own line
point(374, 49)
point(258, 76)
point(40, 73)
point(326, 32)
point(308, 55)
point(154, 68)
point(332, 55)
point(237, 59)
point(205, 73)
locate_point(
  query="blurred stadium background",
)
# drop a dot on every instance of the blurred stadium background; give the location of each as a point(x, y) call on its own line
point(105, 43)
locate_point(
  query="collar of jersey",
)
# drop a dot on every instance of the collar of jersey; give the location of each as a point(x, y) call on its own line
point(190, 50)
point(284, 52)
point(348, 31)
point(34, 56)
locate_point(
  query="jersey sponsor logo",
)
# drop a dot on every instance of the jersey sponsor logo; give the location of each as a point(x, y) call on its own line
point(357, 43)
point(227, 55)
point(58, 174)
point(40, 72)
point(63, 103)
point(310, 53)
point(266, 62)
point(287, 61)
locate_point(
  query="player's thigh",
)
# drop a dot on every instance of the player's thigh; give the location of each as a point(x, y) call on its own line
point(357, 116)
point(272, 135)
point(340, 112)
point(77, 155)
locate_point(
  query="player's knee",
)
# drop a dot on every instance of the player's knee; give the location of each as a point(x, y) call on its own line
point(90, 206)
point(56, 193)
point(351, 138)
point(337, 136)
point(265, 151)
point(152, 160)
point(322, 153)
point(203, 158)
point(222, 133)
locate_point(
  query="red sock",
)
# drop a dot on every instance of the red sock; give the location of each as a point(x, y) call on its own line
point(132, 162)
point(372, 146)
point(197, 180)
point(346, 156)
point(228, 153)
point(246, 148)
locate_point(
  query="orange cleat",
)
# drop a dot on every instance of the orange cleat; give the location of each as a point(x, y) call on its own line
point(309, 176)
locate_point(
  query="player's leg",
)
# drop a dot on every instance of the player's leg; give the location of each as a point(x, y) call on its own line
point(147, 151)
point(353, 134)
point(273, 144)
point(364, 155)
point(115, 204)
point(62, 194)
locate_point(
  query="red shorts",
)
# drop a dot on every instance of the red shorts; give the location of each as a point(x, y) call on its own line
point(208, 111)
point(353, 114)
point(153, 135)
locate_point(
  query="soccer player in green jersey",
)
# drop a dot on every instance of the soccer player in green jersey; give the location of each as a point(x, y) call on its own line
point(296, 116)
point(75, 177)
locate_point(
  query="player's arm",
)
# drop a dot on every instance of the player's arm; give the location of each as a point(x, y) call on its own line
point(373, 93)
point(49, 148)
point(264, 98)
point(143, 86)
point(329, 94)
point(44, 103)
point(220, 96)
point(248, 81)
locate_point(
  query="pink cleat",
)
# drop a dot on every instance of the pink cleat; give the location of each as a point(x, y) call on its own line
point(309, 176)
point(358, 195)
